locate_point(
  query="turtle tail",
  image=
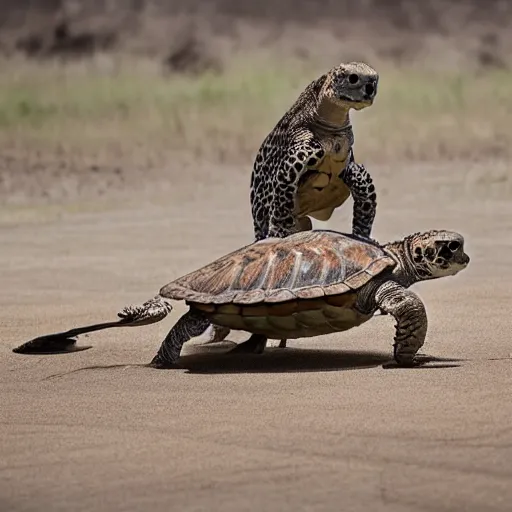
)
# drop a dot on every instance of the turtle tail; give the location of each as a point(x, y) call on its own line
point(152, 311)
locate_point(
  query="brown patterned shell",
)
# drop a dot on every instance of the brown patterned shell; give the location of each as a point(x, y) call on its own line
point(306, 265)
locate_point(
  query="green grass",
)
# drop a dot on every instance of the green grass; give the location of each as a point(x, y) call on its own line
point(429, 116)
point(418, 114)
point(218, 116)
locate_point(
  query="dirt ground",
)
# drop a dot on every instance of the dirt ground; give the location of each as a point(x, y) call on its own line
point(319, 426)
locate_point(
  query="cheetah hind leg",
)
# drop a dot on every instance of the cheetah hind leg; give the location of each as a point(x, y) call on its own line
point(216, 333)
point(303, 224)
point(254, 345)
point(277, 344)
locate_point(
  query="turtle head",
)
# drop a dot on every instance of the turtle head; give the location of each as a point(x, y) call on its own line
point(352, 85)
point(435, 254)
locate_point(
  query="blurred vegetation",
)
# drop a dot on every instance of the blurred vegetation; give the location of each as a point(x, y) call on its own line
point(418, 114)
point(110, 91)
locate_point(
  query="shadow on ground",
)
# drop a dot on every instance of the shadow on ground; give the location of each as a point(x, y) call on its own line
point(292, 360)
point(275, 360)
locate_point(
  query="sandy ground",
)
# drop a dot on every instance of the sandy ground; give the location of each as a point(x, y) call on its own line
point(318, 426)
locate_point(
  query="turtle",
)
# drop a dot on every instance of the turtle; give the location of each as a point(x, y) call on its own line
point(307, 284)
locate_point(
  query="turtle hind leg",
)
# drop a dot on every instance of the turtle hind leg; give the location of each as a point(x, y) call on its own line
point(254, 345)
point(190, 325)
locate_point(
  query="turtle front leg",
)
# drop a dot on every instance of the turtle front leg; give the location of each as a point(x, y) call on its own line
point(361, 186)
point(411, 320)
point(190, 325)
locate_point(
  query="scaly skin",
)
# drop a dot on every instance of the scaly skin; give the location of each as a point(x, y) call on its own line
point(409, 312)
point(419, 257)
point(190, 325)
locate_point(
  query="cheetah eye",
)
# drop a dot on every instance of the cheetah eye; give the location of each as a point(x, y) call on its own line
point(445, 253)
point(353, 79)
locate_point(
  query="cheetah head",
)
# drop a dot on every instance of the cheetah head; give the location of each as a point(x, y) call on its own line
point(352, 85)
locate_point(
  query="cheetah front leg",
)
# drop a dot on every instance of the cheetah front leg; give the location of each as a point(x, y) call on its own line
point(285, 184)
point(361, 186)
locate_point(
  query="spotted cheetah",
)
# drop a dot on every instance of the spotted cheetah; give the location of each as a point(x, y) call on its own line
point(305, 166)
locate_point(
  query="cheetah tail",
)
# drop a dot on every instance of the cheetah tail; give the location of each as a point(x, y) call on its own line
point(150, 312)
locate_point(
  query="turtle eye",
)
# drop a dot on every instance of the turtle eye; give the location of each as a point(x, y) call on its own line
point(417, 251)
point(454, 246)
point(439, 261)
point(353, 78)
point(430, 253)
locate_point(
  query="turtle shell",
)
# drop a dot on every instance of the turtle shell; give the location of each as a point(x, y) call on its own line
point(306, 265)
